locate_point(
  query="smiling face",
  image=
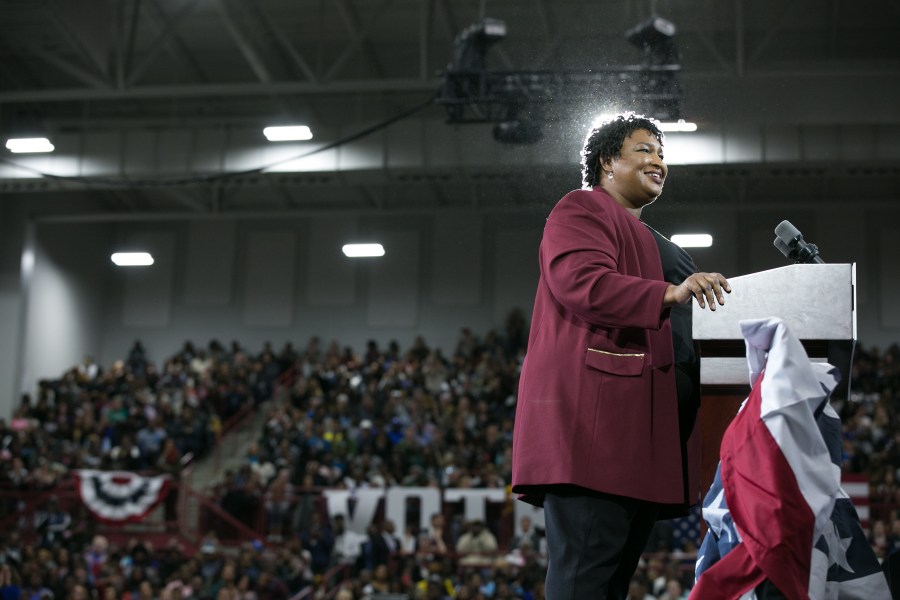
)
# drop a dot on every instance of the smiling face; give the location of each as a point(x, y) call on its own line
point(638, 173)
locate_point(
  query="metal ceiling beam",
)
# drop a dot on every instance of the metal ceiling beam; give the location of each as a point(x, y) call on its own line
point(286, 44)
point(187, 200)
point(221, 89)
point(170, 29)
point(368, 199)
point(426, 19)
point(286, 196)
point(835, 23)
point(65, 27)
point(543, 15)
point(14, 68)
point(247, 50)
point(126, 43)
point(362, 86)
point(118, 50)
point(430, 210)
point(8, 77)
point(556, 40)
point(772, 31)
point(450, 23)
point(77, 72)
point(739, 38)
point(714, 52)
point(360, 38)
point(124, 198)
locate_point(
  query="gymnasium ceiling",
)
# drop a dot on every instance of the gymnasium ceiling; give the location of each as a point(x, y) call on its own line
point(118, 67)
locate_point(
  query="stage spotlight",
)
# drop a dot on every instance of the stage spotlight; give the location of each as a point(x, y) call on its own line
point(471, 45)
point(656, 37)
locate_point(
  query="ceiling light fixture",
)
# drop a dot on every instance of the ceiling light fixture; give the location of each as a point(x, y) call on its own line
point(362, 250)
point(132, 259)
point(680, 125)
point(692, 240)
point(29, 145)
point(288, 133)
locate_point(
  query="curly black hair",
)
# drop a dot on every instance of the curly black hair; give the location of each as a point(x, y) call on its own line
point(605, 142)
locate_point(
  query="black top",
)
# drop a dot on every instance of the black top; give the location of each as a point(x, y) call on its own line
point(677, 265)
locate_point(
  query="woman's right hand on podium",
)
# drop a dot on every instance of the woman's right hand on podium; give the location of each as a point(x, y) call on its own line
point(706, 288)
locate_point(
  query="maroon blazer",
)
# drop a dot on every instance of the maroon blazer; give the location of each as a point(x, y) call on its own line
point(597, 405)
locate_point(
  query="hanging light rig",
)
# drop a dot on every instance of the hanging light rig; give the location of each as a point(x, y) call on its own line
point(519, 102)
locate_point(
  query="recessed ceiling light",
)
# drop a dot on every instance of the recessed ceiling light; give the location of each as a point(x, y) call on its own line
point(23, 145)
point(132, 259)
point(362, 250)
point(680, 125)
point(692, 240)
point(288, 133)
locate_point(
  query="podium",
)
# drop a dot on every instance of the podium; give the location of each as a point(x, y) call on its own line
point(817, 302)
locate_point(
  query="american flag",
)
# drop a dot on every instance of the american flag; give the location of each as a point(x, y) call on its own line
point(777, 510)
point(857, 487)
point(687, 528)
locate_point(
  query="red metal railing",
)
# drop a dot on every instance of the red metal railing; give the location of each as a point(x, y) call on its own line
point(212, 517)
point(228, 442)
point(329, 582)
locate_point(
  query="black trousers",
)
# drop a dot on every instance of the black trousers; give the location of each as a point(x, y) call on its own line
point(594, 543)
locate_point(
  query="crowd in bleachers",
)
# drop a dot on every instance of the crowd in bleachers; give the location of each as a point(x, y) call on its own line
point(379, 417)
point(871, 430)
point(132, 416)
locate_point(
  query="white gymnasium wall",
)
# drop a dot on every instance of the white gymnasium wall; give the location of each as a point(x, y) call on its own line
point(208, 273)
point(287, 280)
point(269, 277)
point(13, 227)
point(67, 300)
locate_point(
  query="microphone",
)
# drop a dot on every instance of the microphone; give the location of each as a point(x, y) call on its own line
point(790, 242)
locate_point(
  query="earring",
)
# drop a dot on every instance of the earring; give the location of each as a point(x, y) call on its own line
point(609, 174)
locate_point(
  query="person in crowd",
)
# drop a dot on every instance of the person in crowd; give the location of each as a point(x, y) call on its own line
point(88, 370)
point(597, 395)
point(278, 498)
point(673, 591)
point(52, 524)
point(476, 545)
point(379, 546)
point(434, 541)
point(10, 588)
point(150, 439)
point(526, 534)
point(637, 590)
point(348, 544)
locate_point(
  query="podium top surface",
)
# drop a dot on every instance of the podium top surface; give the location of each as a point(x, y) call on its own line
point(817, 302)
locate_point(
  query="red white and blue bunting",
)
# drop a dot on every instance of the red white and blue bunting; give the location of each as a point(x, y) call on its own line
point(120, 496)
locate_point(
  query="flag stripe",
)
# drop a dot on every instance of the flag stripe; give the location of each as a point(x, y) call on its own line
point(766, 501)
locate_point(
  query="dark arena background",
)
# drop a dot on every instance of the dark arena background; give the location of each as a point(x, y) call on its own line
point(257, 414)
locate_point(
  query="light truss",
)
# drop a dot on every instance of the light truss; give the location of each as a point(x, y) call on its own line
point(499, 96)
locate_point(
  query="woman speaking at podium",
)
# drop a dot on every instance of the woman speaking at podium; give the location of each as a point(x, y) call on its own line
point(597, 438)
